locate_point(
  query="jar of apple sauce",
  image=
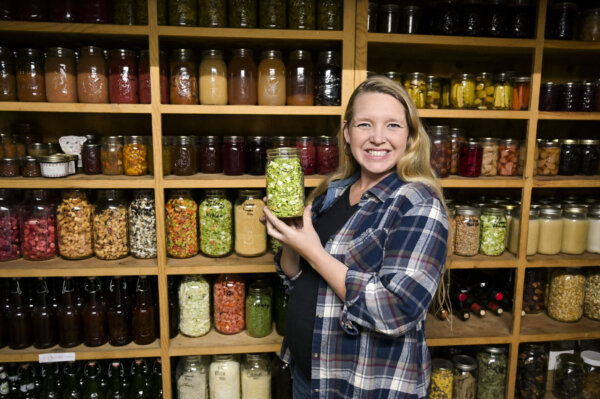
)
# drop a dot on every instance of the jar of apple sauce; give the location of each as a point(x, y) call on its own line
point(551, 230)
point(213, 78)
point(271, 79)
point(30, 75)
point(60, 74)
point(92, 76)
point(575, 230)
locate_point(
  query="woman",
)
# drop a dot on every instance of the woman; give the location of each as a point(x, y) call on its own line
point(365, 260)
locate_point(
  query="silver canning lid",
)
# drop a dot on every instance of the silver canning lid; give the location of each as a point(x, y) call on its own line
point(439, 130)
point(569, 141)
point(509, 141)
point(464, 362)
point(271, 54)
point(489, 140)
point(494, 349)
point(54, 158)
point(595, 211)
point(467, 211)
point(590, 142)
point(522, 79)
point(494, 210)
point(575, 209)
point(549, 211)
point(212, 53)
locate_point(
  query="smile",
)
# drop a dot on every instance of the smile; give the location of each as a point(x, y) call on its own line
point(377, 153)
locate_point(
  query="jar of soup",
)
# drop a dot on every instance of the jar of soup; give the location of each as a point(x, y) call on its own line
point(484, 90)
point(416, 87)
point(591, 303)
point(593, 236)
point(259, 320)
point(8, 83)
point(250, 233)
point(566, 294)
point(210, 154)
point(91, 158)
point(308, 154)
point(465, 376)
point(328, 79)
point(457, 136)
point(183, 156)
point(470, 158)
point(589, 157)
point(229, 297)
point(570, 157)
point(215, 215)
point(234, 155)
point(548, 158)
point(92, 76)
point(224, 376)
point(591, 374)
point(532, 367)
point(508, 157)
point(182, 12)
point(285, 182)
point(242, 78)
point(182, 225)
point(10, 247)
point(213, 78)
point(551, 230)
point(74, 226)
point(442, 378)
point(521, 90)
point(300, 80)
point(466, 241)
point(184, 78)
point(441, 150)
point(142, 225)
point(462, 95)
point(256, 155)
point(194, 306)
point(123, 77)
point(111, 239)
point(302, 14)
point(242, 13)
point(569, 99)
point(30, 75)
point(135, 155)
point(327, 155)
point(212, 13)
point(489, 157)
point(575, 230)
point(561, 21)
point(433, 92)
point(549, 93)
point(111, 155)
point(491, 369)
point(95, 12)
point(503, 91)
point(493, 231)
point(271, 79)
point(272, 14)
point(568, 377)
point(533, 291)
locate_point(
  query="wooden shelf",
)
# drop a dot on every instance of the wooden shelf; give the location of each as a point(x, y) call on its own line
point(490, 329)
point(540, 327)
point(23, 27)
point(259, 35)
point(488, 43)
point(567, 46)
point(79, 181)
point(482, 182)
point(200, 264)
point(506, 260)
point(251, 110)
point(219, 180)
point(215, 343)
point(17, 106)
point(563, 260)
point(569, 116)
point(473, 114)
point(566, 181)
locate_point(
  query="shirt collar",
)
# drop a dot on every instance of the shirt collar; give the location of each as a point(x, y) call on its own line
point(381, 190)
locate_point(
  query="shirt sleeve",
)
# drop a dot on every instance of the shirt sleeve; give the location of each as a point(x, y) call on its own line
point(288, 282)
point(394, 298)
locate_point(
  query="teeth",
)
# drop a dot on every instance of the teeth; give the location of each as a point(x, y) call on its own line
point(377, 153)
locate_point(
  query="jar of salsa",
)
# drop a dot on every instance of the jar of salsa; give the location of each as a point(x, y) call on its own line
point(182, 13)
point(123, 78)
point(256, 155)
point(64, 11)
point(95, 11)
point(184, 78)
point(135, 156)
point(242, 13)
point(8, 83)
point(183, 155)
point(234, 155)
point(60, 75)
point(30, 75)
point(327, 155)
point(111, 155)
point(271, 79)
point(469, 160)
point(229, 298)
point(300, 80)
point(213, 78)
point(272, 14)
point(90, 157)
point(182, 224)
point(242, 76)
point(10, 247)
point(328, 79)
point(92, 76)
point(210, 154)
point(308, 154)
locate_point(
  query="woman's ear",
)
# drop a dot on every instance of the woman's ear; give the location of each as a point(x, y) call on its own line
point(346, 133)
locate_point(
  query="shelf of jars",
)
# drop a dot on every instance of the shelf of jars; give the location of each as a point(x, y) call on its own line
point(490, 329)
point(482, 182)
point(219, 180)
point(216, 343)
point(230, 264)
point(80, 180)
point(504, 261)
point(22, 106)
point(53, 28)
point(566, 181)
point(562, 260)
point(574, 116)
point(541, 327)
point(251, 110)
point(490, 43)
point(473, 114)
point(227, 34)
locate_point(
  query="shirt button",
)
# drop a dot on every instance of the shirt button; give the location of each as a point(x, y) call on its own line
point(316, 355)
point(320, 316)
point(316, 389)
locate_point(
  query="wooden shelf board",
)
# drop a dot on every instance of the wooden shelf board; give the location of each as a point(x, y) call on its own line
point(219, 180)
point(254, 34)
point(251, 110)
point(59, 267)
point(79, 180)
point(482, 182)
point(73, 28)
point(475, 331)
point(569, 116)
point(17, 106)
point(566, 181)
point(540, 327)
point(451, 41)
point(216, 343)
point(562, 260)
point(473, 114)
point(200, 264)
point(506, 260)
point(83, 352)
point(555, 46)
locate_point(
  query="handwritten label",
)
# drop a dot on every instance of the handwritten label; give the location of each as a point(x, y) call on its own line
point(56, 357)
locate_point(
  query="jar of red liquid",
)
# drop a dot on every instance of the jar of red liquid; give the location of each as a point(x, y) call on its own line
point(210, 154)
point(64, 11)
point(308, 154)
point(234, 155)
point(469, 159)
point(38, 226)
point(123, 78)
point(256, 155)
point(281, 141)
point(144, 77)
point(300, 79)
point(9, 226)
point(242, 78)
point(327, 155)
point(95, 11)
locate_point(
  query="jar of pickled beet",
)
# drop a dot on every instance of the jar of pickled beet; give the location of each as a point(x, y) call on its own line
point(470, 157)
point(210, 154)
point(9, 226)
point(123, 77)
point(308, 154)
point(234, 155)
point(256, 155)
point(327, 155)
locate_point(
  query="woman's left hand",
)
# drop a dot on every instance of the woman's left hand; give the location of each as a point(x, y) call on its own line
point(297, 233)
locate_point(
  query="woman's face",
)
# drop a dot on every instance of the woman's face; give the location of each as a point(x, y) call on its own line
point(377, 134)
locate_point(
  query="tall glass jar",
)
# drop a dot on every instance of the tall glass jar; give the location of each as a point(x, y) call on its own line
point(462, 94)
point(442, 378)
point(9, 226)
point(213, 78)
point(591, 304)
point(142, 225)
point(95, 12)
point(250, 234)
point(242, 78)
point(224, 377)
point(532, 367)
point(183, 156)
point(272, 14)
point(470, 158)
point(38, 226)
point(570, 157)
point(589, 157)
point(533, 291)
point(493, 231)
point(300, 79)
point(64, 11)
point(416, 87)
point(212, 13)
point(123, 76)
point(591, 373)
point(441, 150)
point(74, 227)
point(548, 158)
point(229, 298)
point(110, 226)
point(465, 377)
point(135, 155)
point(308, 154)
point(446, 20)
point(144, 77)
point(327, 155)
point(123, 12)
point(575, 230)
point(302, 14)
point(433, 92)
point(256, 155)
point(184, 77)
point(329, 15)
point(561, 21)
point(521, 91)
point(593, 236)
point(550, 231)
point(242, 13)
point(215, 216)
point(92, 76)
point(328, 79)
point(259, 321)
point(491, 378)
point(568, 377)
point(466, 242)
point(256, 376)
point(503, 91)
point(484, 90)
point(285, 182)
point(566, 294)
point(91, 158)
point(111, 155)
point(182, 224)
point(182, 13)
point(210, 154)
point(30, 75)
point(588, 93)
point(60, 75)
point(234, 155)
point(271, 79)
point(8, 83)
point(192, 377)
point(508, 157)
point(194, 306)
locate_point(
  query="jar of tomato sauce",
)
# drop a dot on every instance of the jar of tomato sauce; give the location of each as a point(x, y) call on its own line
point(123, 77)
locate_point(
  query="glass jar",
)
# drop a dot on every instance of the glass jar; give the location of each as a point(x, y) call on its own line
point(591, 373)
point(503, 91)
point(462, 95)
point(466, 242)
point(256, 376)
point(215, 216)
point(470, 158)
point(593, 236)
point(442, 378)
point(550, 231)
point(372, 17)
point(498, 18)
point(229, 298)
point(224, 377)
point(38, 226)
point(142, 225)
point(433, 92)
point(280, 141)
point(256, 155)
point(521, 19)
point(508, 157)
point(64, 11)
point(589, 25)
point(110, 226)
point(242, 76)
point(182, 224)
point(532, 367)
point(548, 158)
point(589, 157)
point(416, 87)
point(533, 232)
point(192, 377)
point(30, 167)
point(250, 233)
point(465, 377)
point(74, 227)
point(441, 150)
point(308, 154)
point(473, 18)
point(95, 12)
point(183, 156)
point(271, 79)
point(234, 155)
point(272, 14)
point(92, 76)
point(123, 77)
point(588, 96)
point(570, 157)
point(533, 291)
point(259, 321)
point(491, 378)
point(182, 13)
point(561, 21)
point(493, 231)
point(8, 83)
point(135, 156)
point(575, 230)
point(285, 182)
point(60, 70)
point(167, 158)
point(213, 78)
point(210, 154)
point(9, 167)
point(521, 90)
point(570, 95)
point(410, 19)
point(145, 95)
point(549, 94)
point(111, 155)
point(446, 20)
point(329, 13)
point(327, 155)
point(566, 294)
point(301, 14)
point(568, 377)
point(184, 78)
point(9, 226)
point(328, 79)
point(300, 80)
point(388, 17)
point(242, 13)
point(591, 303)
point(489, 156)
point(281, 303)
point(194, 306)
point(457, 137)
point(123, 12)
point(30, 75)
point(91, 158)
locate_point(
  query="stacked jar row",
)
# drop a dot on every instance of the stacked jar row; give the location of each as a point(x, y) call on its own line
point(39, 229)
point(570, 96)
point(20, 158)
point(567, 157)
point(566, 21)
point(475, 230)
point(236, 306)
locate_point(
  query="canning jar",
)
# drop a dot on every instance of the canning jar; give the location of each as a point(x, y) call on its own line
point(521, 19)
point(95, 12)
point(416, 87)
point(327, 155)
point(271, 79)
point(301, 14)
point(470, 158)
point(280, 141)
point(9, 226)
point(182, 224)
point(588, 96)
point(64, 11)
point(591, 374)
point(561, 24)
point(192, 377)
point(142, 225)
point(32, 10)
point(521, 90)
point(256, 376)
point(457, 137)
point(446, 20)
point(8, 84)
point(503, 91)
point(441, 150)
point(575, 230)
point(184, 80)
point(308, 154)
point(372, 17)
point(30, 167)
point(92, 76)
point(272, 14)
point(570, 95)
point(548, 158)
point(532, 367)
point(7, 11)
point(194, 306)
point(110, 226)
point(508, 157)
point(183, 156)
point(285, 182)
point(30, 75)
point(259, 321)
point(593, 236)
point(38, 226)
point(566, 294)
point(210, 154)
point(433, 92)
point(491, 369)
point(167, 159)
point(224, 377)
point(533, 291)
point(497, 18)
point(9, 167)
point(182, 12)
point(242, 13)
point(550, 231)
point(74, 225)
point(123, 76)
point(234, 155)
point(111, 155)
point(256, 155)
point(473, 17)
point(589, 157)
point(250, 234)
point(591, 303)
point(466, 241)
point(329, 15)
point(145, 94)
point(589, 28)
point(533, 231)
point(135, 155)
point(549, 94)
point(568, 377)
point(90, 158)
point(462, 95)
point(60, 70)
point(489, 156)
point(242, 76)
point(215, 216)
point(570, 157)
point(212, 13)
point(493, 231)
point(229, 299)
point(300, 79)
point(442, 378)
point(213, 78)
point(410, 19)
point(465, 377)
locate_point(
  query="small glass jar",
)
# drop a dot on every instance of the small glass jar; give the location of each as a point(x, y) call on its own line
point(470, 158)
point(285, 182)
point(462, 95)
point(388, 18)
point(533, 291)
point(123, 12)
point(182, 12)
point(550, 231)
point(593, 236)
point(256, 155)
point(327, 155)
point(182, 224)
point(503, 91)
point(549, 94)
point(142, 225)
point(489, 156)
point(8, 83)
point(493, 231)
point(308, 154)
point(446, 20)
point(591, 374)
point(508, 157)
point(465, 377)
point(566, 295)
point(250, 234)
point(521, 91)
point(329, 15)
point(224, 377)
point(95, 12)
point(416, 87)
point(135, 156)
point(183, 87)
point(372, 17)
point(588, 96)
point(441, 150)
point(9, 167)
point(92, 75)
point(10, 247)
point(229, 299)
point(123, 77)
point(242, 78)
point(30, 75)
point(570, 157)
point(210, 154)
point(183, 156)
point(192, 377)
point(521, 19)
point(234, 155)
point(561, 21)
point(575, 230)
point(492, 369)
point(532, 367)
point(91, 158)
point(591, 303)
point(568, 377)
point(548, 158)
point(271, 79)
point(569, 99)
point(74, 227)
point(589, 157)
point(272, 14)
point(242, 13)
point(194, 306)
point(302, 14)
point(30, 167)
point(111, 239)
point(60, 75)
point(300, 79)
point(213, 78)
point(466, 242)
point(111, 155)
point(259, 321)
point(457, 137)
point(442, 378)
point(215, 216)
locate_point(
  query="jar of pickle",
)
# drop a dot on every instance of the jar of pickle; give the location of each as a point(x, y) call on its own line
point(272, 14)
point(493, 231)
point(589, 157)
point(442, 378)
point(123, 76)
point(182, 224)
point(416, 87)
point(213, 78)
point(548, 158)
point(142, 225)
point(302, 14)
point(465, 377)
point(308, 154)
point(491, 368)
point(575, 230)
point(110, 226)
point(92, 76)
point(242, 76)
point(234, 155)
point(532, 367)
point(300, 79)
point(503, 91)
point(210, 154)
point(229, 299)
point(508, 157)
point(271, 79)
point(570, 157)
point(60, 75)
point(489, 157)
point(250, 234)
point(462, 94)
point(549, 93)
point(433, 92)
point(484, 91)
point(457, 137)
point(533, 291)
point(212, 13)
point(30, 75)
point(182, 13)
point(327, 155)
point(183, 156)
point(111, 155)
point(215, 215)
point(566, 294)
point(591, 373)
point(328, 78)
point(441, 150)
point(568, 377)
point(192, 377)
point(550, 231)
point(569, 99)
point(521, 91)
point(470, 158)
point(242, 13)
point(329, 15)
point(183, 87)
point(194, 306)
point(259, 320)
point(10, 247)
point(8, 83)
point(135, 156)
point(285, 182)
point(593, 236)
point(466, 241)
point(74, 225)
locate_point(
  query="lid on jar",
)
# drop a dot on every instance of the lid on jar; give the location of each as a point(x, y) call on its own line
point(509, 141)
point(438, 130)
point(411, 8)
point(415, 76)
point(37, 146)
point(588, 83)
point(389, 7)
point(283, 151)
point(484, 75)
point(522, 79)
point(212, 53)
point(300, 55)
point(92, 50)
point(183, 140)
point(464, 76)
point(393, 75)
point(503, 76)
point(135, 139)
point(233, 138)
point(591, 357)
point(465, 210)
point(242, 52)
point(91, 138)
point(595, 211)
point(251, 193)
point(473, 140)
point(535, 205)
point(182, 53)
point(270, 55)
point(59, 52)
point(590, 142)
point(432, 79)
point(209, 139)
point(494, 210)
point(571, 84)
point(489, 140)
point(569, 142)
point(494, 349)
point(457, 132)
point(91, 145)
point(570, 358)
point(534, 213)
point(29, 52)
point(565, 4)
point(112, 140)
point(28, 159)
point(327, 140)
point(549, 211)
point(214, 192)
point(441, 364)
point(548, 143)
point(509, 206)
point(549, 84)
point(464, 362)
point(330, 57)
point(575, 209)
point(54, 158)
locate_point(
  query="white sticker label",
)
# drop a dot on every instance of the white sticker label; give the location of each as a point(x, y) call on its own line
point(56, 357)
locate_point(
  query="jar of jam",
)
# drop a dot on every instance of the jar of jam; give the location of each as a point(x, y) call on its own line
point(447, 18)
point(415, 86)
point(591, 373)
point(184, 78)
point(300, 80)
point(10, 247)
point(111, 239)
point(60, 70)
point(215, 216)
point(568, 377)
point(521, 19)
point(462, 95)
point(561, 21)
point(213, 78)
point(520, 96)
point(441, 150)
point(589, 157)
point(210, 154)
point(182, 12)
point(302, 14)
point(588, 96)
point(74, 225)
point(30, 167)
point(92, 76)
point(8, 83)
point(9, 167)
point(250, 234)
point(256, 155)
point(570, 157)
point(308, 154)
point(569, 99)
point(111, 155)
point(95, 12)
point(242, 77)
point(532, 367)
point(182, 225)
point(457, 137)
point(271, 79)
point(272, 14)
point(473, 18)
point(183, 155)
point(30, 75)
point(242, 13)
point(135, 156)
point(229, 298)
point(328, 79)
point(327, 155)
point(470, 158)
point(123, 77)
point(64, 11)
point(498, 18)
point(91, 158)
point(234, 155)
point(549, 94)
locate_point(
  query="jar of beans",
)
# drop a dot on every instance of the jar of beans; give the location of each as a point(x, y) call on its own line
point(508, 157)
point(38, 226)
point(110, 226)
point(74, 225)
point(466, 241)
point(441, 150)
point(9, 226)
point(229, 303)
point(142, 225)
point(591, 304)
point(566, 294)
point(489, 157)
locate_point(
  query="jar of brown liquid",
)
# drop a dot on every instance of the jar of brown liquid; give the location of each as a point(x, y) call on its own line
point(8, 83)
point(92, 76)
point(30, 75)
point(60, 72)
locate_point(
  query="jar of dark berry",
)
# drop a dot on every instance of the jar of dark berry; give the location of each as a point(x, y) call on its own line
point(256, 155)
point(549, 93)
point(234, 155)
point(308, 154)
point(38, 227)
point(498, 18)
point(210, 154)
point(588, 96)
point(447, 18)
point(570, 97)
point(469, 159)
point(570, 157)
point(90, 158)
point(9, 226)
point(327, 155)
point(589, 157)
point(521, 19)
point(562, 20)
point(473, 18)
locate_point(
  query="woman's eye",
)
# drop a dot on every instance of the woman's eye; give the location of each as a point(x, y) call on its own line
point(394, 126)
point(363, 125)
